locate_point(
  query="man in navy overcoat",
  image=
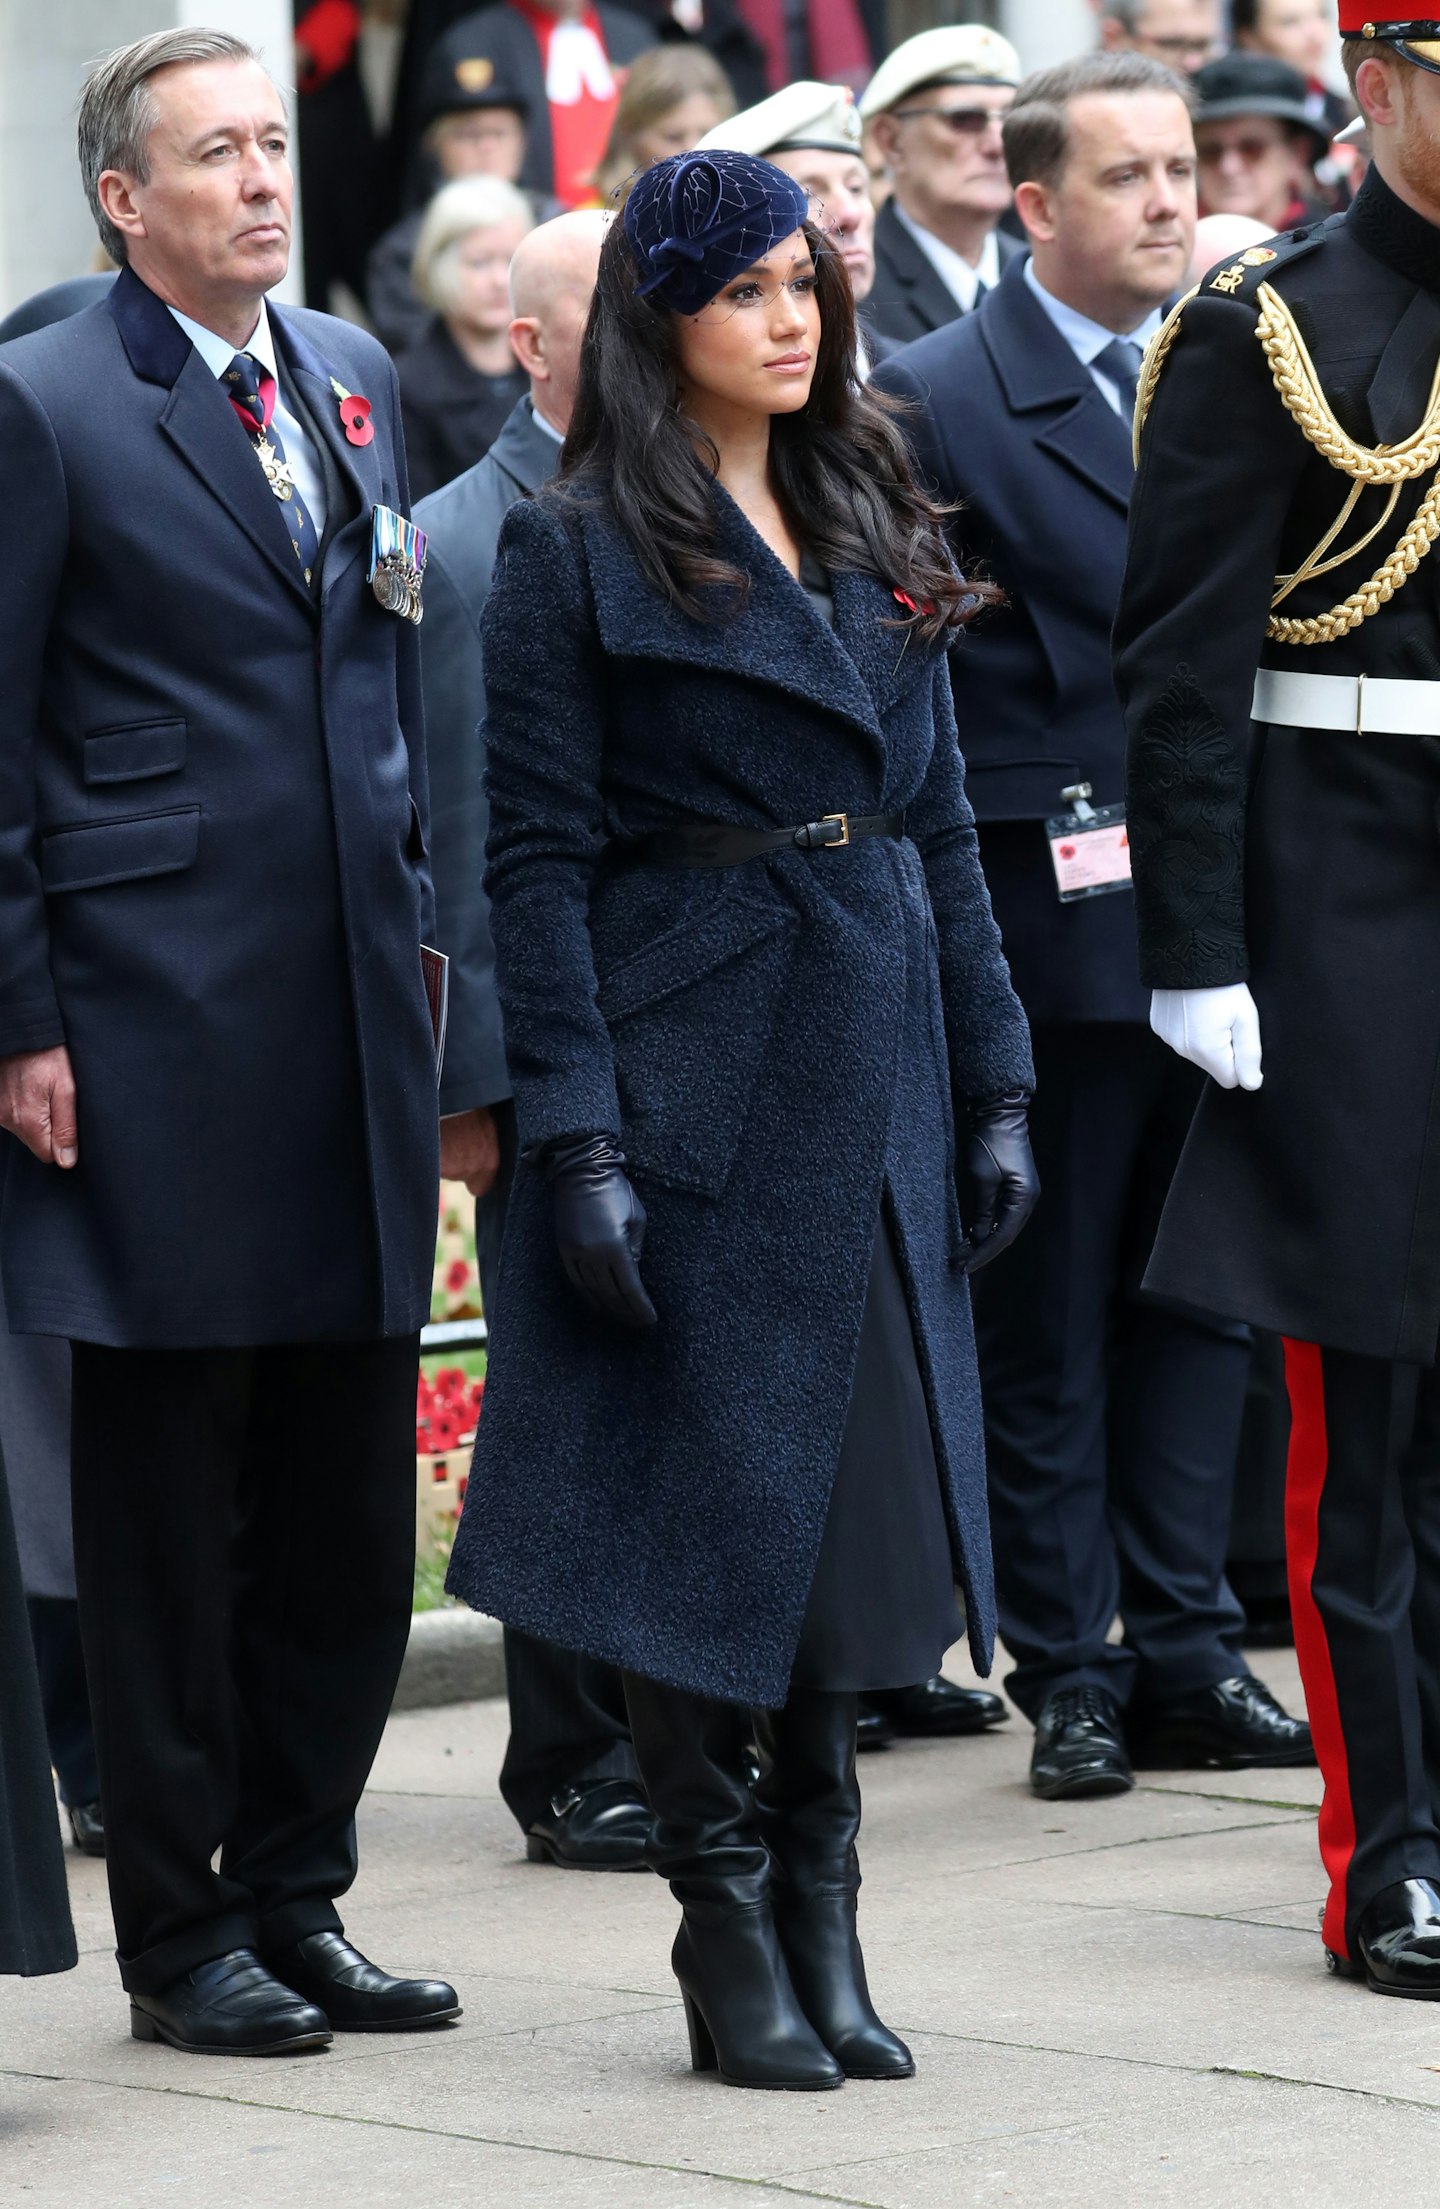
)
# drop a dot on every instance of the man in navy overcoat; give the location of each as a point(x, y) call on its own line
point(216, 1064)
point(1111, 1419)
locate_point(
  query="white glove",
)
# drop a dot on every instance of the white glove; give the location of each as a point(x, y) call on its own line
point(1218, 1030)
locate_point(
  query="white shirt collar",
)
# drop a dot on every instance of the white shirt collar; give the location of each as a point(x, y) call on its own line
point(951, 267)
point(217, 352)
point(548, 427)
point(1087, 340)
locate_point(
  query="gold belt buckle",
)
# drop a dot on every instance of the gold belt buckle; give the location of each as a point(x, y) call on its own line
point(844, 836)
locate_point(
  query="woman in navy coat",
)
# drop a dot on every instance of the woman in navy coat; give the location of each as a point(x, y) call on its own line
point(770, 1078)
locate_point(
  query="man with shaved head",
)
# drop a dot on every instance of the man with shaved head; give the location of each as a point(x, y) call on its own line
point(570, 1774)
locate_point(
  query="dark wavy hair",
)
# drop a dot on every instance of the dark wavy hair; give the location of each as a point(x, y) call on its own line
point(840, 465)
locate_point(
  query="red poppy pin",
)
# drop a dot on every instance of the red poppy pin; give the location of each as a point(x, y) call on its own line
point(354, 415)
point(904, 599)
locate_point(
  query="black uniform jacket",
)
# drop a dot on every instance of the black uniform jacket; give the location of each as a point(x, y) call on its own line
point(910, 297)
point(1007, 423)
point(463, 525)
point(1308, 862)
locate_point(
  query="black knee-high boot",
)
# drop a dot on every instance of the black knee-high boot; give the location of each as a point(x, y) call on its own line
point(808, 1801)
point(741, 2010)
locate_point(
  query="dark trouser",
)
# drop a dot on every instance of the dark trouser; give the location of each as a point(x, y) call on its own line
point(1362, 1523)
point(244, 1551)
point(1256, 1557)
point(60, 1662)
point(1111, 1421)
point(567, 1713)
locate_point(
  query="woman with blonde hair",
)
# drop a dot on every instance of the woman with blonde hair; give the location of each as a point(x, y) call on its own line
point(459, 383)
point(671, 97)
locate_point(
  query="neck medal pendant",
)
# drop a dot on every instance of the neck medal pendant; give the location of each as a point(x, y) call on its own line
point(397, 563)
point(277, 471)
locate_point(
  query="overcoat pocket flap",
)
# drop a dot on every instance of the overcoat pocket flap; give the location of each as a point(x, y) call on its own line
point(685, 955)
point(690, 1020)
point(139, 748)
point(96, 852)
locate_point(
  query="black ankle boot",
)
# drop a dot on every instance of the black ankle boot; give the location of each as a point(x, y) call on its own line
point(808, 1802)
point(740, 2007)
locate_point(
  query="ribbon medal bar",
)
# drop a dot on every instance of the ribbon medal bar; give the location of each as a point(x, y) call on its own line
point(397, 563)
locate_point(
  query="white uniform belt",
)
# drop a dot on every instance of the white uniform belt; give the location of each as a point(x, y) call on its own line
point(1360, 705)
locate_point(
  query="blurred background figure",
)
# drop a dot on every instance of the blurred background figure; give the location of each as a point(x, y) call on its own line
point(474, 126)
point(458, 384)
point(566, 59)
point(670, 98)
point(1219, 238)
point(1300, 33)
point(569, 1776)
point(837, 40)
point(1257, 142)
point(1111, 1419)
point(341, 177)
point(934, 109)
point(1184, 34)
point(36, 1935)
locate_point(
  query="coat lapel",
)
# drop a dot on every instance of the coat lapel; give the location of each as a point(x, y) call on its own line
point(1041, 376)
point(777, 638)
point(908, 265)
point(200, 422)
point(358, 466)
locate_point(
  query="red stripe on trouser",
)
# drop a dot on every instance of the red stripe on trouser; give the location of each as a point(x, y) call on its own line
point(1304, 1486)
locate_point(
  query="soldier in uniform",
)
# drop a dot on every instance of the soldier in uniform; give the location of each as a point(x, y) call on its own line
point(1279, 661)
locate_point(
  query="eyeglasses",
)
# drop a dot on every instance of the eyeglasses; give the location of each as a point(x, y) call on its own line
point(1252, 151)
point(1186, 54)
point(965, 122)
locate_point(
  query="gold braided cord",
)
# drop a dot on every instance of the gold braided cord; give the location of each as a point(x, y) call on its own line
point(1157, 352)
point(1369, 467)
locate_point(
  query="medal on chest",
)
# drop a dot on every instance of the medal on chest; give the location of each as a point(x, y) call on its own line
point(397, 563)
point(277, 471)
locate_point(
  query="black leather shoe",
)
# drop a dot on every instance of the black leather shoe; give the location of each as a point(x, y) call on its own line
point(1080, 1747)
point(232, 2006)
point(1235, 1726)
point(873, 1729)
point(1397, 1942)
point(88, 1827)
point(355, 1994)
point(937, 1709)
point(599, 1826)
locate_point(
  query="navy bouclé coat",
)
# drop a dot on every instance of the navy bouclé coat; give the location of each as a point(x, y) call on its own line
point(776, 1045)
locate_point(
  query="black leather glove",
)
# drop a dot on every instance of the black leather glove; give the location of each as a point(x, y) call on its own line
point(599, 1226)
point(999, 1185)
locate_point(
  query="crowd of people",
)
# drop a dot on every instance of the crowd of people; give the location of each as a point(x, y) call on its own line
point(765, 399)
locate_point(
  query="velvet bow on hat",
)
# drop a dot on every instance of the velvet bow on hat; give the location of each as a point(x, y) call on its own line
point(698, 220)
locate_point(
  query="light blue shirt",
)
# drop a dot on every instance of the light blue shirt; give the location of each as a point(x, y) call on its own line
point(217, 354)
point(1087, 339)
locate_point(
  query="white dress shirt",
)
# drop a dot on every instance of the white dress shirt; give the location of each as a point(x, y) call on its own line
point(951, 267)
point(1087, 339)
point(217, 354)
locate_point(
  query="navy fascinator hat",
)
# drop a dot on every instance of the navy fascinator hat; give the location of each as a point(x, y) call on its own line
point(699, 220)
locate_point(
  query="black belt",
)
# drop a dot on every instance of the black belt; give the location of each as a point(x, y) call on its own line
point(711, 844)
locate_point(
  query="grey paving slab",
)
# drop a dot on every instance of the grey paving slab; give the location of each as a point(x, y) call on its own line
point(1114, 2003)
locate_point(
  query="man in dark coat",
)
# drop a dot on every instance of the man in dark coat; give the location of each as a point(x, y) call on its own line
point(1111, 1419)
point(217, 1069)
point(1286, 896)
point(569, 1774)
point(934, 108)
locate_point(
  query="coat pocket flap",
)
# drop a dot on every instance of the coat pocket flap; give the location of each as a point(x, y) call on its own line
point(139, 748)
point(96, 852)
point(687, 954)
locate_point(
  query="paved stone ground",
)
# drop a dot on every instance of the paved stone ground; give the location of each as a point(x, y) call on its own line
point(1118, 2002)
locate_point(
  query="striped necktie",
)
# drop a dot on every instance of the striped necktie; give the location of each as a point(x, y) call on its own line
point(251, 391)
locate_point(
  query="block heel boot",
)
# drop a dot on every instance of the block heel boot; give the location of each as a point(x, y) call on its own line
point(741, 2011)
point(808, 1802)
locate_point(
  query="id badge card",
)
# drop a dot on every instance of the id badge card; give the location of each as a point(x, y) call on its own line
point(397, 563)
point(1089, 850)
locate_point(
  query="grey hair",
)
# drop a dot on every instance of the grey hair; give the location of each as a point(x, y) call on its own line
point(118, 112)
point(466, 204)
